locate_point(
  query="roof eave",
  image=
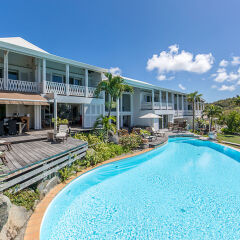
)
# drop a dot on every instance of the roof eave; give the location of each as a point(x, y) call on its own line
point(48, 56)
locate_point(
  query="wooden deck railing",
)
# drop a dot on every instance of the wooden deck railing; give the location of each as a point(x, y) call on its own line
point(35, 172)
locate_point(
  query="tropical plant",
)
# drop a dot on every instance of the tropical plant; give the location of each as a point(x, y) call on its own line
point(60, 121)
point(114, 87)
point(212, 111)
point(232, 121)
point(106, 122)
point(193, 98)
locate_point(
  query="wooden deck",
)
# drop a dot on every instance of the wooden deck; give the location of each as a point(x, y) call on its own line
point(30, 148)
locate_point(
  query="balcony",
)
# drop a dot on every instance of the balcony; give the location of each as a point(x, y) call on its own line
point(20, 86)
point(74, 90)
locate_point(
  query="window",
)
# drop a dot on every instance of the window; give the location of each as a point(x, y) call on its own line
point(71, 80)
point(148, 98)
point(57, 78)
point(78, 82)
point(1, 73)
point(13, 75)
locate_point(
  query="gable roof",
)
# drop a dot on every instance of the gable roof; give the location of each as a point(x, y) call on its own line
point(22, 43)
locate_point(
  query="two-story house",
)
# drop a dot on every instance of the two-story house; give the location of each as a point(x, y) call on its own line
point(40, 85)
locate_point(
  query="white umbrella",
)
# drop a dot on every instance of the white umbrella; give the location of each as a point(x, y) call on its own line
point(150, 115)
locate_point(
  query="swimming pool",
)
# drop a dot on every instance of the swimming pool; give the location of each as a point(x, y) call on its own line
point(186, 189)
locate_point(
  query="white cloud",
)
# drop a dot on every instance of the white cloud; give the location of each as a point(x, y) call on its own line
point(181, 86)
point(173, 61)
point(223, 63)
point(222, 75)
point(115, 71)
point(214, 86)
point(227, 88)
point(161, 77)
point(236, 61)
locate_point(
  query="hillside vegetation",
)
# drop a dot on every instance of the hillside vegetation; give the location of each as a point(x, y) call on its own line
point(228, 105)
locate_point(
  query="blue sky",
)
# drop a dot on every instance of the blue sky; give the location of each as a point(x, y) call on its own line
point(126, 34)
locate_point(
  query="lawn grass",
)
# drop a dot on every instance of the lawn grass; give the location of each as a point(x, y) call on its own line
point(229, 138)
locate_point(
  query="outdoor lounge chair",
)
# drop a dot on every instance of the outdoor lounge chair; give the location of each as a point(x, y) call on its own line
point(62, 133)
point(155, 132)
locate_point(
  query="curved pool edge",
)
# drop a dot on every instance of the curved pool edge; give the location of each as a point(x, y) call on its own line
point(34, 224)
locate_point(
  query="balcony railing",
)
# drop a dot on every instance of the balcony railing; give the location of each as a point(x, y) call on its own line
point(19, 86)
point(76, 90)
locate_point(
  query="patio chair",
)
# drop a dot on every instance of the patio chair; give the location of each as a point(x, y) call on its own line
point(12, 127)
point(156, 133)
point(62, 133)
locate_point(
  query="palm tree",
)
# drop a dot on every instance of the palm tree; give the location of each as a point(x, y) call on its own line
point(113, 86)
point(212, 111)
point(107, 123)
point(193, 98)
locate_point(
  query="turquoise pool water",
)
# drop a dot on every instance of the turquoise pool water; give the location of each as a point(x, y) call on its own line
point(187, 189)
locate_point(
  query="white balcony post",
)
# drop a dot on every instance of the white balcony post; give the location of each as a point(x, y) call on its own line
point(37, 117)
point(67, 79)
point(117, 106)
point(177, 102)
point(5, 70)
point(38, 70)
point(55, 114)
point(160, 99)
point(86, 82)
point(121, 111)
point(44, 75)
point(182, 102)
point(167, 100)
point(104, 103)
point(131, 104)
point(152, 99)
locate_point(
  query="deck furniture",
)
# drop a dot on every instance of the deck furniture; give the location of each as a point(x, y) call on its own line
point(12, 127)
point(154, 132)
point(7, 144)
point(62, 133)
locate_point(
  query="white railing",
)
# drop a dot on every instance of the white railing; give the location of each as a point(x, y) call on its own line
point(91, 92)
point(53, 87)
point(1, 84)
point(22, 86)
point(76, 90)
point(146, 106)
point(164, 106)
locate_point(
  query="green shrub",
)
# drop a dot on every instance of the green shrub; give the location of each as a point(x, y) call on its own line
point(130, 142)
point(90, 138)
point(232, 120)
point(25, 197)
point(65, 173)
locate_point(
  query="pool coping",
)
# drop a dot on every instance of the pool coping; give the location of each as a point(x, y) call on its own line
point(32, 231)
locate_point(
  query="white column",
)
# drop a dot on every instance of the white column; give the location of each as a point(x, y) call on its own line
point(121, 111)
point(162, 122)
point(37, 117)
point(177, 102)
point(5, 70)
point(167, 100)
point(38, 70)
point(86, 82)
point(153, 99)
point(67, 79)
point(182, 102)
point(172, 100)
point(117, 109)
point(131, 99)
point(160, 98)
point(55, 115)
point(44, 75)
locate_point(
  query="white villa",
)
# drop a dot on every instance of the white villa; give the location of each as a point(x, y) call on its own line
point(39, 86)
